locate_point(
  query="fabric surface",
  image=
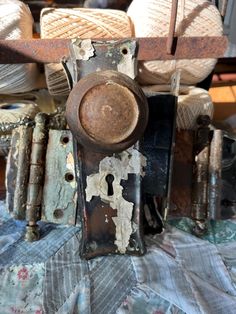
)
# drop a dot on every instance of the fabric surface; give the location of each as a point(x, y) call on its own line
point(179, 273)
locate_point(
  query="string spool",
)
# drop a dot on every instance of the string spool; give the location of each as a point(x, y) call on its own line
point(79, 23)
point(16, 23)
point(192, 102)
point(151, 18)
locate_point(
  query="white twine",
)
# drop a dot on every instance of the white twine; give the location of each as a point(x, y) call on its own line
point(16, 22)
point(13, 111)
point(151, 18)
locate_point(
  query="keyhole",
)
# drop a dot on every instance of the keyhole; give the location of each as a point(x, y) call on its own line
point(109, 180)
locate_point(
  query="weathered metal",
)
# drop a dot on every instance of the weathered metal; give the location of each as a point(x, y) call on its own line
point(23, 162)
point(56, 50)
point(182, 174)
point(32, 232)
point(59, 200)
point(36, 175)
point(2, 178)
point(111, 223)
point(107, 111)
point(5, 143)
point(173, 17)
point(214, 180)
point(111, 201)
point(223, 7)
point(228, 193)
point(200, 170)
point(88, 56)
point(17, 171)
point(157, 146)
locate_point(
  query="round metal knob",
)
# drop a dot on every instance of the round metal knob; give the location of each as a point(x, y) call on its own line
point(107, 111)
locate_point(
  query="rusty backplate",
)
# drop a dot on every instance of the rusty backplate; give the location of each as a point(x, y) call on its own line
point(56, 50)
point(110, 202)
point(115, 189)
point(182, 174)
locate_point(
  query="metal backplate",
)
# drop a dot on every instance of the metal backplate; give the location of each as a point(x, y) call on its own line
point(17, 171)
point(88, 56)
point(60, 186)
point(228, 197)
point(158, 142)
point(157, 147)
point(110, 202)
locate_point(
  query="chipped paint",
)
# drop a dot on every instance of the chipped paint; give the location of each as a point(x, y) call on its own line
point(128, 63)
point(59, 192)
point(70, 165)
point(83, 49)
point(130, 161)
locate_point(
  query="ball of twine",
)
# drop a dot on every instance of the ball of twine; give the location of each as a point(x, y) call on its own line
point(11, 112)
point(16, 23)
point(81, 23)
point(192, 102)
point(151, 18)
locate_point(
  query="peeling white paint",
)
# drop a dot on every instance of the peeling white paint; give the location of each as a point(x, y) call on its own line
point(83, 49)
point(128, 65)
point(70, 162)
point(129, 161)
point(70, 165)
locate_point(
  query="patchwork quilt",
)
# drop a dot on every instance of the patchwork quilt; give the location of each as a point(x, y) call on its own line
point(179, 274)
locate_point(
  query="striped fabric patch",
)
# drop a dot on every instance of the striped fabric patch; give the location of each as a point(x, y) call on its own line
point(22, 252)
point(194, 279)
point(64, 271)
point(112, 279)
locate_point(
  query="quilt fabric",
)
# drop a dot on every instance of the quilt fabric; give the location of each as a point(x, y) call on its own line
point(179, 274)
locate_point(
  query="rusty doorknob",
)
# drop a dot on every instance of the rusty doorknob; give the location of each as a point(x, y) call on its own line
point(107, 111)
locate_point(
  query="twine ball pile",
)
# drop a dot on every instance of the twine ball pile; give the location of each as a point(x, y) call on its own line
point(192, 102)
point(151, 18)
point(81, 23)
point(16, 22)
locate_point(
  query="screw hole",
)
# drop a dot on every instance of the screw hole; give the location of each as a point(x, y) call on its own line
point(58, 213)
point(124, 51)
point(69, 177)
point(64, 139)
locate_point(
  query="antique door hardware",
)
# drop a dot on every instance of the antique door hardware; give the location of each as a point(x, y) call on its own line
point(213, 185)
point(106, 169)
